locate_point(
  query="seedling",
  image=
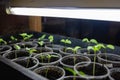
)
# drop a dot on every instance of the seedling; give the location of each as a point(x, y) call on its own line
point(95, 49)
point(25, 36)
point(41, 44)
point(30, 50)
point(75, 49)
point(51, 38)
point(48, 56)
point(42, 37)
point(74, 72)
point(89, 41)
point(109, 46)
point(17, 47)
point(105, 47)
point(13, 38)
point(65, 41)
point(2, 41)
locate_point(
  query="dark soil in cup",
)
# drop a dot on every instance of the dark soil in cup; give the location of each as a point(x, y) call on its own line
point(70, 60)
point(29, 62)
point(116, 75)
point(99, 70)
point(52, 74)
point(111, 58)
point(15, 54)
point(4, 49)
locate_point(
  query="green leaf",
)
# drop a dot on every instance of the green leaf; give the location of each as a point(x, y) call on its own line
point(51, 38)
point(82, 73)
point(31, 50)
point(23, 34)
point(70, 70)
point(76, 48)
point(17, 47)
point(13, 38)
point(101, 45)
point(54, 55)
point(90, 48)
point(110, 46)
point(49, 56)
point(41, 43)
point(1, 40)
point(68, 41)
point(85, 40)
point(62, 40)
point(69, 48)
point(93, 41)
point(42, 37)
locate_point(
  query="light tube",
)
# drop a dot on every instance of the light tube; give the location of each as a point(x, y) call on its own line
point(78, 13)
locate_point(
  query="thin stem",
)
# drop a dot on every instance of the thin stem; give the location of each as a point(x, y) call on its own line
point(47, 68)
point(94, 63)
point(28, 61)
point(46, 72)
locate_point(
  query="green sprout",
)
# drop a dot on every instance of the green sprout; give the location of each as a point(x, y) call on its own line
point(30, 50)
point(89, 41)
point(75, 49)
point(48, 56)
point(41, 44)
point(105, 47)
point(17, 47)
point(74, 72)
point(26, 36)
point(95, 49)
point(13, 38)
point(42, 37)
point(51, 38)
point(65, 41)
point(2, 41)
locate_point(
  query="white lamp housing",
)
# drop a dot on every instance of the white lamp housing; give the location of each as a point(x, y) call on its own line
point(107, 10)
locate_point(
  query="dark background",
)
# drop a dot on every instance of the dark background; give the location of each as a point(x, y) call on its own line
point(103, 31)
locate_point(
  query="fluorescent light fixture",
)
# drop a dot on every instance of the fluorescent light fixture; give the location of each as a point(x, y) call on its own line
point(78, 13)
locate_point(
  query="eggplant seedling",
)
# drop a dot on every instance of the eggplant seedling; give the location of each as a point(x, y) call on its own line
point(109, 46)
point(30, 50)
point(17, 47)
point(26, 36)
point(74, 51)
point(13, 38)
point(51, 38)
point(74, 72)
point(95, 49)
point(2, 41)
point(42, 37)
point(89, 41)
point(48, 56)
point(65, 41)
point(41, 44)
